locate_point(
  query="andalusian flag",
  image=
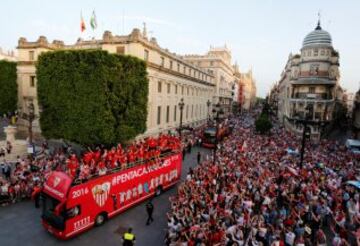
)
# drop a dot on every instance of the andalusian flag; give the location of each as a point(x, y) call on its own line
point(82, 24)
point(93, 22)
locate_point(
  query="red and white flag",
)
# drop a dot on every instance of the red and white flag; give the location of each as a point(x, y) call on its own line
point(82, 24)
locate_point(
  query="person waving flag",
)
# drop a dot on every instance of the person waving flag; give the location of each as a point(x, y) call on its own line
point(93, 21)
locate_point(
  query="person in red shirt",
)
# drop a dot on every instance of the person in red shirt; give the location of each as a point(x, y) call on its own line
point(97, 155)
point(35, 195)
point(88, 157)
point(152, 143)
point(216, 236)
point(141, 153)
point(131, 157)
point(71, 166)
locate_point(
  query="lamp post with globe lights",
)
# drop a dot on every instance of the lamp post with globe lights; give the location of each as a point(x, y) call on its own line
point(181, 107)
point(217, 110)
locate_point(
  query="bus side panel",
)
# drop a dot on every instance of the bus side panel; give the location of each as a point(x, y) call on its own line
point(114, 193)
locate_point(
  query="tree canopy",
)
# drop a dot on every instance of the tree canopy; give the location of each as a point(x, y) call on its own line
point(8, 87)
point(92, 97)
point(263, 123)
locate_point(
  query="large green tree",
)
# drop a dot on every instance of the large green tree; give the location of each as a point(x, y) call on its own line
point(8, 87)
point(91, 96)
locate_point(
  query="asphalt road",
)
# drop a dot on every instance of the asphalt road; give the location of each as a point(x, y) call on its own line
point(20, 223)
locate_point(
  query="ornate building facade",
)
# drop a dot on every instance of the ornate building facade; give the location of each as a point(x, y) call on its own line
point(356, 115)
point(8, 56)
point(171, 78)
point(248, 92)
point(217, 62)
point(309, 84)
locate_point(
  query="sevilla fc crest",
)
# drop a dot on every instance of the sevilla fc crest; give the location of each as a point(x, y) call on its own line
point(101, 193)
point(56, 181)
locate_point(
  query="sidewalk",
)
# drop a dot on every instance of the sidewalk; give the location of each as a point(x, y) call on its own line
point(19, 149)
point(3, 123)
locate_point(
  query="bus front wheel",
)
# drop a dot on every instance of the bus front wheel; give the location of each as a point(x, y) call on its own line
point(100, 219)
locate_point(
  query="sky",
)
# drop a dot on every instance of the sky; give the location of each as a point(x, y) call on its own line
point(260, 33)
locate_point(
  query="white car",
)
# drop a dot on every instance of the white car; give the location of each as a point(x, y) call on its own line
point(353, 145)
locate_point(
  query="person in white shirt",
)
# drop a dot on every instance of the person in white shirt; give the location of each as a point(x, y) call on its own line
point(289, 238)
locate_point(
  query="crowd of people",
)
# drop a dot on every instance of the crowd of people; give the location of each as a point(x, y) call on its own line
point(29, 174)
point(257, 193)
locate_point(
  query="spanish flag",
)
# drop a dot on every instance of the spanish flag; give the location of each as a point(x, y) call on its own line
point(82, 24)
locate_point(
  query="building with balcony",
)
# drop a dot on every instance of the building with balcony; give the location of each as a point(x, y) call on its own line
point(272, 98)
point(356, 115)
point(217, 62)
point(239, 87)
point(170, 78)
point(310, 80)
point(248, 90)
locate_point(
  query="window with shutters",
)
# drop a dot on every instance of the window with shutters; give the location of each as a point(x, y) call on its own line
point(167, 113)
point(159, 115)
point(159, 86)
point(31, 55)
point(32, 81)
point(171, 65)
point(175, 109)
point(146, 55)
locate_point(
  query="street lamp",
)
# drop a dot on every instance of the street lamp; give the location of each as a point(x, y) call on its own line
point(217, 111)
point(30, 118)
point(181, 107)
point(306, 131)
point(208, 103)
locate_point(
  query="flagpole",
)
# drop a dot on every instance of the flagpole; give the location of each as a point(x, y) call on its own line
point(81, 18)
point(81, 29)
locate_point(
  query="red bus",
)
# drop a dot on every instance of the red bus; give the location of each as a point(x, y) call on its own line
point(70, 208)
point(209, 137)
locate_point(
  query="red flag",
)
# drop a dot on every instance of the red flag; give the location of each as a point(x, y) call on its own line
point(82, 24)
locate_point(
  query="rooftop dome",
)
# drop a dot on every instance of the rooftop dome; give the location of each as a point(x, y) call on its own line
point(317, 37)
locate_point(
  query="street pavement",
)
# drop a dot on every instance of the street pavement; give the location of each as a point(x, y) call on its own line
point(3, 123)
point(20, 223)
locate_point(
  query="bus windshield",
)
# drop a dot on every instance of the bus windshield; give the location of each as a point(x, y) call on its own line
point(209, 135)
point(48, 212)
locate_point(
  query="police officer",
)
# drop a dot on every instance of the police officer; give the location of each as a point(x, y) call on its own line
point(128, 238)
point(184, 152)
point(149, 210)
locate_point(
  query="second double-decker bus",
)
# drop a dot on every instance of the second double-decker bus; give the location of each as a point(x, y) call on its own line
point(70, 208)
point(210, 138)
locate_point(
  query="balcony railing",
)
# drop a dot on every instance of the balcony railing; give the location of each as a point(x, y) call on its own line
point(315, 96)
